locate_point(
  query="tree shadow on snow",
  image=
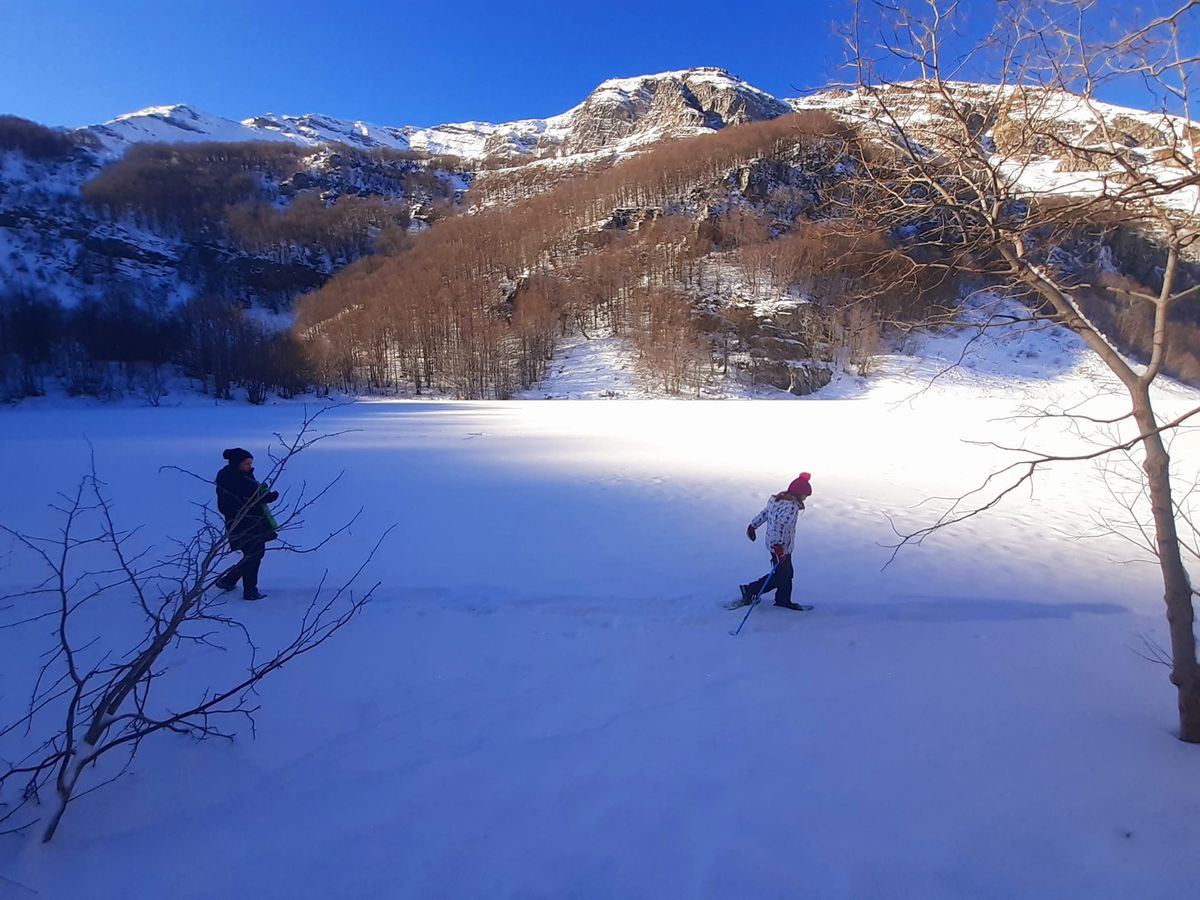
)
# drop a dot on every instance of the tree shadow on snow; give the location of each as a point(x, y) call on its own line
point(928, 608)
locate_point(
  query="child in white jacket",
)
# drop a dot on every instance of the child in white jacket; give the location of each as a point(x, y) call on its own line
point(779, 515)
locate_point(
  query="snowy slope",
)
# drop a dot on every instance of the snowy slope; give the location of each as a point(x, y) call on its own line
point(182, 123)
point(545, 700)
point(177, 123)
point(605, 367)
point(1151, 138)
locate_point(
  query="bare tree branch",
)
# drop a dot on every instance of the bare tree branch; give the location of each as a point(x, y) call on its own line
point(101, 694)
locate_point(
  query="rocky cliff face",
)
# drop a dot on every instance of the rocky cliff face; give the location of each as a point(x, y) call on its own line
point(630, 112)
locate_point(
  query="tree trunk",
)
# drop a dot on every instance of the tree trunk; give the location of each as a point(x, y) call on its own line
point(65, 787)
point(1177, 588)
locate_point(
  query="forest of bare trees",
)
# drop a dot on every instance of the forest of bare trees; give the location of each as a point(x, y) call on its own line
point(36, 141)
point(255, 224)
point(474, 307)
point(117, 346)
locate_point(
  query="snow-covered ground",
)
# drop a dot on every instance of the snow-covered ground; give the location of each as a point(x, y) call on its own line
point(545, 701)
point(602, 367)
point(605, 367)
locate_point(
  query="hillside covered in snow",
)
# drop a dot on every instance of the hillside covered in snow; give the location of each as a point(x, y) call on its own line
point(688, 218)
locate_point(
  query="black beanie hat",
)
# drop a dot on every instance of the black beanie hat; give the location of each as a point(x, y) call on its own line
point(236, 454)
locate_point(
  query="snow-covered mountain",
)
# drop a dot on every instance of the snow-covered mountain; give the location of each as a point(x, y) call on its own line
point(624, 114)
point(54, 241)
point(59, 241)
point(621, 113)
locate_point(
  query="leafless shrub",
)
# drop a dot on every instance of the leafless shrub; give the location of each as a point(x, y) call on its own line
point(122, 618)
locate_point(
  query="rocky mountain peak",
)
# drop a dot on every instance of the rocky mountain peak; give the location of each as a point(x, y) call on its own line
point(640, 110)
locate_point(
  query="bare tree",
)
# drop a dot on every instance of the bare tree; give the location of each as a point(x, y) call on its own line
point(1019, 180)
point(97, 696)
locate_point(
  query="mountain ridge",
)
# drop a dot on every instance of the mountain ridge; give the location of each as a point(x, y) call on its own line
point(674, 103)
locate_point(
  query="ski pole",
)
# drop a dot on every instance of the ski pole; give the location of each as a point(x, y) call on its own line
point(754, 603)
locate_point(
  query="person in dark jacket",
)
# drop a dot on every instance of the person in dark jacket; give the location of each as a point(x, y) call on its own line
point(241, 500)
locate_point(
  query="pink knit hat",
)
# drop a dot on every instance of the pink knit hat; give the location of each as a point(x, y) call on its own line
point(800, 486)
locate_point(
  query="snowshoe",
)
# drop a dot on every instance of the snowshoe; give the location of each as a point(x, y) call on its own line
point(746, 599)
point(799, 607)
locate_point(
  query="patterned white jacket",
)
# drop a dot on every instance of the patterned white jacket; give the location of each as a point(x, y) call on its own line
point(780, 515)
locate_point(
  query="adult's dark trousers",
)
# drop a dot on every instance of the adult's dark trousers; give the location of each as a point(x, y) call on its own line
point(245, 570)
point(779, 581)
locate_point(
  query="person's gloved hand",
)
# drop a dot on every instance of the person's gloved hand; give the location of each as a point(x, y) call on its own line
point(271, 497)
point(778, 552)
point(750, 533)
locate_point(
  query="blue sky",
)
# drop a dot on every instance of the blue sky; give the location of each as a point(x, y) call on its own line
point(392, 63)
